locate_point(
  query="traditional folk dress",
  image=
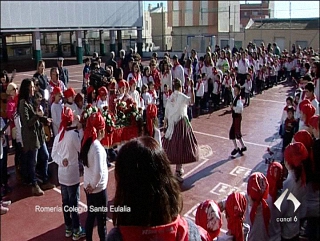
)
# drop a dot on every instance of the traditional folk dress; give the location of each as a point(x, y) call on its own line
point(235, 130)
point(179, 141)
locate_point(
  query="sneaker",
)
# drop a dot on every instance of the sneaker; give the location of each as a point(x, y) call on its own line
point(5, 204)
point(47, 186)
point(235, 151)
point(179, 176)
point(68, 232)
point(78, 235)
point(36, 190)
point(4, 210)
point(243, 149)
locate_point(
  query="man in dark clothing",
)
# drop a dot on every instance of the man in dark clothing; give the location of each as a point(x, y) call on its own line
point(63, 72)
point(111, 62)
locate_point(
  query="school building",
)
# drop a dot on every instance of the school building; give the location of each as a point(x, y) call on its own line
point(285, 32)
point(70, 28)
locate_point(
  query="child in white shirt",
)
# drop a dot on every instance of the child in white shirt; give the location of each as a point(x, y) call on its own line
point(103, 98)
point(247, 86)
point(56, 109)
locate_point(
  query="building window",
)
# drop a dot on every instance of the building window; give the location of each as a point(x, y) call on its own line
point(302, 44)
point(147, 25)
point(255, 13)
point(245, 13)
point(257, 42)
point(223, 43)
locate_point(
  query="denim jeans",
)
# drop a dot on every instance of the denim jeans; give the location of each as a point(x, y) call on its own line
point(43, 159)
point(96, 200)
point(70, 199)
point(3, 166)
point(28, 166)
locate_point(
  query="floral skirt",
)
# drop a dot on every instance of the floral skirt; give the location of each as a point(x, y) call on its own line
point(183, 146)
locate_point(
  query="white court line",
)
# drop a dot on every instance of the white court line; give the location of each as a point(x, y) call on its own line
point(225, 138)
point(273, 101)
point(195, 168)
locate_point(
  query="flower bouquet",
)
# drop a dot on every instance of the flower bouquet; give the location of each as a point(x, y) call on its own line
point(87, 112)
point(110, 119)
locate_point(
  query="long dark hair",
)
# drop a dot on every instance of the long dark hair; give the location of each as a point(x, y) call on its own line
point(24, 92)
point(84, 152)
point(146, 184)
point(317, 72)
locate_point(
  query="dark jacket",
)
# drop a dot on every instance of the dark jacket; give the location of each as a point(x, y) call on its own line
point(64, 76)
point(112, 63)
point(32, 132)
point(43, 82)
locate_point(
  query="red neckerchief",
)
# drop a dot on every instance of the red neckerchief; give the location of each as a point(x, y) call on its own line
point(175, 65)
point(199, 83)
point(136, 76)
point(156, 78)
point(167, 94)
point(152, 93)
point(52, 84)
point(219, 85)
point(233, 82)
point(227, 80)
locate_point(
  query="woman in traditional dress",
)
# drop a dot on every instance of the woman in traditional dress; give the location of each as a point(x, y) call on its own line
point(179, 141)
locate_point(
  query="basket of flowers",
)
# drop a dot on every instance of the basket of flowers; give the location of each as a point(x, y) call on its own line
point(89, 109)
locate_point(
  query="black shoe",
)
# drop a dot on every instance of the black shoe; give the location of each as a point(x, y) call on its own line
point(243, 149)
point(235, 151)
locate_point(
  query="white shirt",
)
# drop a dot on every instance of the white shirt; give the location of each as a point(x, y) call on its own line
point(146, 80)
point(166, 79)
point(157, 135)
point(3, 141)
point(102, 103)
point(247, 86)
point(178, 72)
point(243, 66)
point(97, 173)
point(200, 89)
point(136, 97)
point(176, 109)
point(292, 229)
point(56, 110)
point(69, 148)
point(239, 107)
point(258, 231)
point(147, 98)
point(274, 226)
point(317, 89)
point(17, 124)
point(139, 80)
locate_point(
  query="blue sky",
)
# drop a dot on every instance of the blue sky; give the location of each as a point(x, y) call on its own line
point(299, 9)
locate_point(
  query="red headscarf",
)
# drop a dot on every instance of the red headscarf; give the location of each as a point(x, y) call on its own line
point(208, 216)
point(56, 90)
point(308, 109)
point(102, 91)
point(121, 84)
point(127, 85)
point(258, 190)
point(132, 81)
point(66, 120)
point(275, 178)
point(95, 122)
point(295, 154)
point(69, 93)
point(236, 206)
point(305, 138)
point(152, 113)
point(314, 122)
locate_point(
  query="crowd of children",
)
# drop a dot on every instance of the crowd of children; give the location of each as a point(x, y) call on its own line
point(212, 81)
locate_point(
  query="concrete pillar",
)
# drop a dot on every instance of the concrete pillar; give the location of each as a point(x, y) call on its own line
point(79, 47)
point(119, 40)
point(72, 44)
point(102, 48)
point(86, 43)
point(36, 46)
point(112, 35)
point(59, 42)
point(4, 48)
point(139, 41)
